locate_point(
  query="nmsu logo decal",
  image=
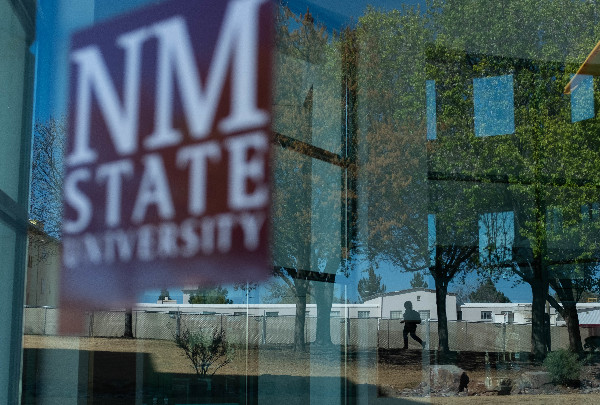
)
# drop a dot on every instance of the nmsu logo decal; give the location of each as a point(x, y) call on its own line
point(167, 178)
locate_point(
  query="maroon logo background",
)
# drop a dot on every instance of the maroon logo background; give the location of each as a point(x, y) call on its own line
point(167, 178)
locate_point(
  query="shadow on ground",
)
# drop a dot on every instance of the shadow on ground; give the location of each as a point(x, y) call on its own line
point(61, 376)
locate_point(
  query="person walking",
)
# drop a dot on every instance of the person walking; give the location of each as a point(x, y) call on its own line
point(411, 320)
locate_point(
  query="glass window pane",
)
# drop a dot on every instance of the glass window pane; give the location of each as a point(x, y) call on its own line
point(582, 99)
point(494, 105)
point(8, 240)
point(496, 237)
point(14, 68)
point(386, 165)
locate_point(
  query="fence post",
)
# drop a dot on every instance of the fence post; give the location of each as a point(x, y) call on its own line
point(426, 361)
point(488, 379)
point(388, 330)
point(178, 324)
point(264, 329)
point(306, 326)
point(504, 342)
point(45, 318)
point(348, 331)
point(428, 335)
point(91, 329)
point(466, 330)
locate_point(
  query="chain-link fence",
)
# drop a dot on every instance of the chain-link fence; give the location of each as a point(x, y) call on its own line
point(279, 330)
point(41, 321)
point(474, 336)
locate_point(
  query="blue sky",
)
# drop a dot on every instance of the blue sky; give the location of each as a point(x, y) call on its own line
point(393, 278)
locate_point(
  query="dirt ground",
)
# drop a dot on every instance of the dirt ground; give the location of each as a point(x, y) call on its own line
point(396, 374)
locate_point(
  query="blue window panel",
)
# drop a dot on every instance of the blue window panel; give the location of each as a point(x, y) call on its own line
point(494, 105)
point(431, 110)
point(582, 99)
point(431, 238)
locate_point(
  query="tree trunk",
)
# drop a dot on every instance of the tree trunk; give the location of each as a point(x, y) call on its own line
point(539, 331)
point(568, 296)
point(299, 324)
point(572, 319)
point(324, 298)
point(440, 301)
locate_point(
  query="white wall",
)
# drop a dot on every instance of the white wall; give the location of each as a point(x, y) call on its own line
point(349, 310)
point(471, 312)
point(422, 300)
point(380, 306)
point(43, 270)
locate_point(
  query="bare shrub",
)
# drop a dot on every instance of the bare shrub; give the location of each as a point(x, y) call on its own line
point(205, 350)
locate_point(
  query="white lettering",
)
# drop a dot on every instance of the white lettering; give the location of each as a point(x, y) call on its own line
point(120, 242)
point(167, 240)
point(154, 189)
point(190, 238)
point(238, 40)
point(225, 225)
point(92, 248)
point(121, 118)
point(208, 235)
point(71, 254)
point(146, 246)
point(77, 200)
point(197, 156)
point(241, 29)
point(114, 172)
point(251, 226)
point(241, 170)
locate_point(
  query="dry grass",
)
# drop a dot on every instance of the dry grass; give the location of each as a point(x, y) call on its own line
point(359, 368)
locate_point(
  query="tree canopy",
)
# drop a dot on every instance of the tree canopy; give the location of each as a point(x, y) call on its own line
point(418, 281)
point(46, 174)
point(211, 295)
point(487, 292)
point(370, 285)
point(164, 294)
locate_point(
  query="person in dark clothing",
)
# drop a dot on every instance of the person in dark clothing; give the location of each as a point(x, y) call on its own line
point(411, 320)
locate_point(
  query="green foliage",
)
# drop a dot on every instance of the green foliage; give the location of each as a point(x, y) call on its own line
point(370, 285)
point(205, 350)
point(564, 366)
point(418, 281)
point(545, 172)
point(425, 204)
point(164, 294)
point(279, 292)
point(216, 295)
point(487, 292)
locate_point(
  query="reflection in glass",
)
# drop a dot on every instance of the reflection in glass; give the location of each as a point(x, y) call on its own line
point(386, 160)
point(431, 110)
point(496, 237)
point(494, 105)
point(582, 99)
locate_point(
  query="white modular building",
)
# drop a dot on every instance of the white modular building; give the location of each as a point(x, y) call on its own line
point(387, 306)
point(337, 310)
point(512, 312)
point(391, 304)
